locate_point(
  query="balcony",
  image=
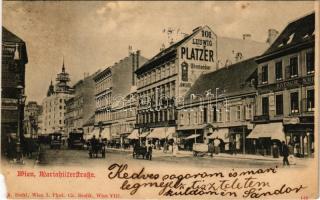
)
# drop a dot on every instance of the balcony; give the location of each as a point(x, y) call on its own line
point(261, 118)
point(307, 106)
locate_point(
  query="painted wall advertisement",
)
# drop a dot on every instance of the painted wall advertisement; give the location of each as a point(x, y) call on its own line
point(196, 56)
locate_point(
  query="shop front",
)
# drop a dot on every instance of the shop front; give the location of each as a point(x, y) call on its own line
point(266, 138)
point(188, 135)
point(300, 136)
point(221, 134)
point(161, 137)
point(238, 142)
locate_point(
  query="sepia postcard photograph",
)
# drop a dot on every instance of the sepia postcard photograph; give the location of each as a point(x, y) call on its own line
point(160, 100)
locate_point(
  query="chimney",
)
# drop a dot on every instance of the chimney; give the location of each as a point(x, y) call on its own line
point(272, 35)
point(246, 36)
point(238, 57)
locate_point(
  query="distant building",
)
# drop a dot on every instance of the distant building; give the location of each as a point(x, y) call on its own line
point(112, 85)
point(88, 127)
point(14, 59)
point(32, 112)
point(285, 104)
point(81, 106)
point(123, 119)
point(54, 104)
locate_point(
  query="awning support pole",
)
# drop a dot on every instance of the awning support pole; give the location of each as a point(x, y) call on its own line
point(244, 140)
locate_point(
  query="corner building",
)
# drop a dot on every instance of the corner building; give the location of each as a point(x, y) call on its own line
point(285, 104)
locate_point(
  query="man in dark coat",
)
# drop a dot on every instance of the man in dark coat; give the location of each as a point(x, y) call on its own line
point(285, 153)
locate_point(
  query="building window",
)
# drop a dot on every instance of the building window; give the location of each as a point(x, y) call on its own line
point(265, 105)
point(214, 114)
point(228, 115)
point(238, 113)
point(278, 70)
point(249, 111)
point(151, 117)
point(310, 100)
point(293, 67)
point(219, 115)
point(310, 62)
point(279, 104)
point(294, 99)
point(205, 113)
point(184, 70)
point(264, 77)
point(173, 68)
point(196, 117)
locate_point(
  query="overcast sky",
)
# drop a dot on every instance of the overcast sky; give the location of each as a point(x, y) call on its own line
point(93, 35)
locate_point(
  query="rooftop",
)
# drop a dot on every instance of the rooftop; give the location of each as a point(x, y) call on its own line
point(296, 32)
point(232, 80)
point(8, 36)
point(170, 51)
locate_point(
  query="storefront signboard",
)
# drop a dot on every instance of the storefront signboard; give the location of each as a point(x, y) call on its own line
point(291, 120)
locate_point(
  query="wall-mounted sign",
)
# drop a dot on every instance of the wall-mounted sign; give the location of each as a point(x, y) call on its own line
point(289, 84)
point(291, 120)
point(196, 56)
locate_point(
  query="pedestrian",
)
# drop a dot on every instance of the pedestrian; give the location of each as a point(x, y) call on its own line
point(233, 146)
point(216, 144)
point(210, 148)
point(285, 153)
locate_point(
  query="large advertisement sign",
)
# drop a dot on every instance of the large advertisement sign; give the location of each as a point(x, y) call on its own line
point(197, 55)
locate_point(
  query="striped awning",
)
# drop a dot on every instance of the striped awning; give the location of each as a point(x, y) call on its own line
point(161, 133)
point(134, 134)
point(106, 133)
point(271, 130)
point(89, 135)
point(222, 133)
point(145, 134)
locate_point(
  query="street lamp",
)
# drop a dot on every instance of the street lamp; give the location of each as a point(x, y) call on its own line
point(20, 102)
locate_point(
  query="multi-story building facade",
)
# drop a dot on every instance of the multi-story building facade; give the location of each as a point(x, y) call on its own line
point(220, 105)
point(14, 59)
point(112, 85)
point(81, 106)
point(285, 105)
point(32, 112)
point(54, 105)
point(165, 79)
point(123, 119)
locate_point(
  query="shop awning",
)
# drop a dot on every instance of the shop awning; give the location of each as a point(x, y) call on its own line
point(161, 133)
point(89, 135)
point(271, 130)
point(192, 136)
point(106, 133)
point(134, 134)
point(222, 133)
point(144, 134)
